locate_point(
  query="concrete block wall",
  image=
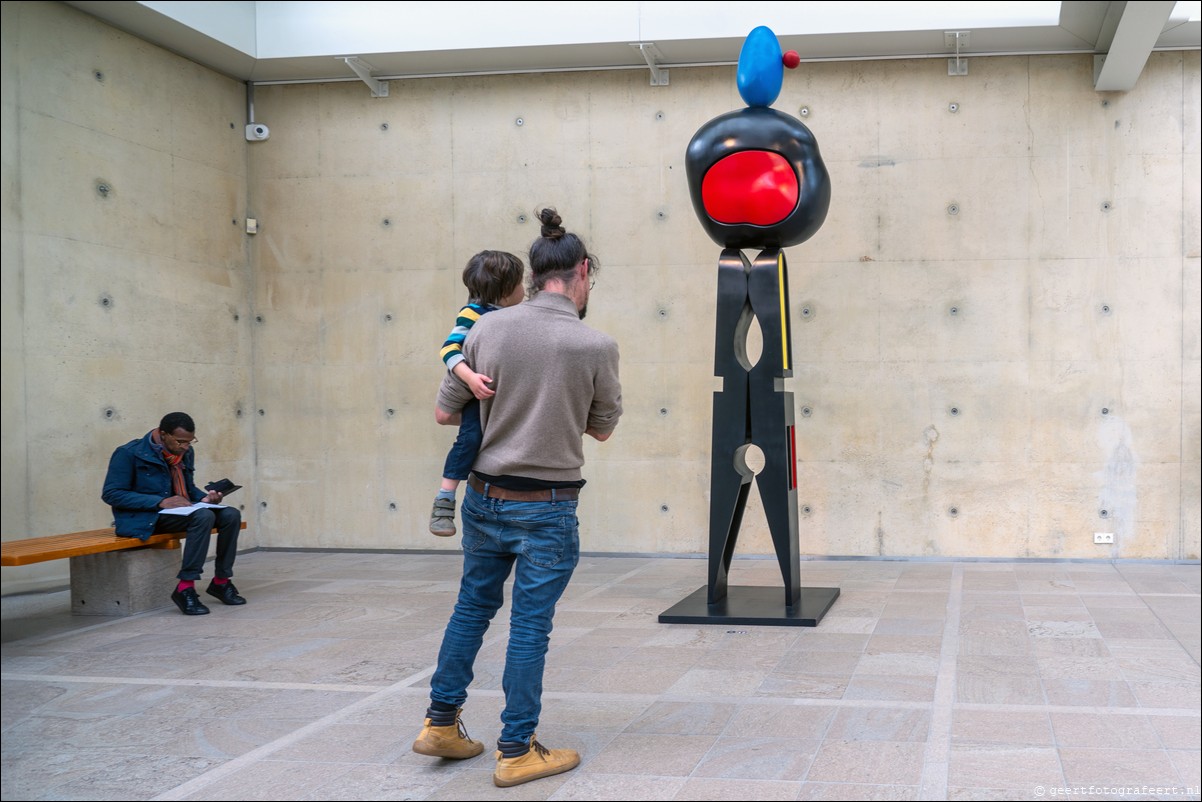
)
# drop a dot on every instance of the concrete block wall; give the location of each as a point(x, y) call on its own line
point(992, 330)
point(995, 332)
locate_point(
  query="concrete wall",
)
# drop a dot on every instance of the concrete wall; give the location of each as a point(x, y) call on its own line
point(126, 280)
point(1056, 312)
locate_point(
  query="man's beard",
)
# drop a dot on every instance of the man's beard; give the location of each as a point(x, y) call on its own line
point(584, 310)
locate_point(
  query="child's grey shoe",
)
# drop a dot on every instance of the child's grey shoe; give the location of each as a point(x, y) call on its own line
point(442, 517)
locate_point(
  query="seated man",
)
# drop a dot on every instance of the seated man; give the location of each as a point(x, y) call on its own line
point(154, 473)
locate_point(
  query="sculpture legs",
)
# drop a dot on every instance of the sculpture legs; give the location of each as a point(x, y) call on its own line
point(730, 478)
point(772, 413)
point(753, 408)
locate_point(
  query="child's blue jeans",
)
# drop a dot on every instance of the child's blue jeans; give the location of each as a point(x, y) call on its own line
point(467, 444)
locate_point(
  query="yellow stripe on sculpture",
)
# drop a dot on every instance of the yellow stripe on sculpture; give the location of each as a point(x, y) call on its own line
point(784, 318)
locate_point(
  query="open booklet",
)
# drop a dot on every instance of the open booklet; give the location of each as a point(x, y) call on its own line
point(200, 505)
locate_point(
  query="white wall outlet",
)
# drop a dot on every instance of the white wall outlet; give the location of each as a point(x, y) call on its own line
point(1103, 538)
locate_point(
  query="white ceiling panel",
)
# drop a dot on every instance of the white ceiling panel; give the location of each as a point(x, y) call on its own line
point(275, 42)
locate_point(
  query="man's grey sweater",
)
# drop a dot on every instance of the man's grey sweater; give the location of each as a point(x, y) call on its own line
point(554, 378)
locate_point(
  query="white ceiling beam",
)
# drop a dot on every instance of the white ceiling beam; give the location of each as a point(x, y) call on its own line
point(1139, 26)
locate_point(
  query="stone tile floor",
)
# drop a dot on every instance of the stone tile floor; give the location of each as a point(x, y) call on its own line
point(926, 680)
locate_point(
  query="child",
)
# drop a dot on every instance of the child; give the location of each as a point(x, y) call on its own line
point(493, 280)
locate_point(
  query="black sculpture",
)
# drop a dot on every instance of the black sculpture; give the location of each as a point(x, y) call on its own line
point(756, 180)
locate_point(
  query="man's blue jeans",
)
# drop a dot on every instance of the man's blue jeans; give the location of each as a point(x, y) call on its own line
point(540, 541)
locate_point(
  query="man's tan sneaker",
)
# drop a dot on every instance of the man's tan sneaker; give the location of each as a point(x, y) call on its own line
point(539, 762)
point(451, 741)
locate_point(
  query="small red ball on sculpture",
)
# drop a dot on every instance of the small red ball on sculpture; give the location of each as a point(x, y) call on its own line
point(791, 59)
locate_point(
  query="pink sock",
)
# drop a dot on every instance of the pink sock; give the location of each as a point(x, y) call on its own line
point(219, 580)
point(185, 584)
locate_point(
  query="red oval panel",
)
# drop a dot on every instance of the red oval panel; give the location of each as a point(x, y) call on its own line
point(757, 187)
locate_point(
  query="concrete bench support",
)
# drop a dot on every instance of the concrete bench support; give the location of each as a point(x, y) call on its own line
point(123, 582)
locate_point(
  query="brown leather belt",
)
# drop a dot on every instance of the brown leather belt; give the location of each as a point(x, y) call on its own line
point(505, 494)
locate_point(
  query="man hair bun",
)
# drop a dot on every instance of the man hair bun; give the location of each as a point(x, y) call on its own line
point(552, 224)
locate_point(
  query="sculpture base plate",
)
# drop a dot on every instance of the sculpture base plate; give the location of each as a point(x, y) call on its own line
point(753, 606)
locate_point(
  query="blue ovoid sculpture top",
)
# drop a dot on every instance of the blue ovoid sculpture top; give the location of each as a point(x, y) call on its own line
point(761, 68)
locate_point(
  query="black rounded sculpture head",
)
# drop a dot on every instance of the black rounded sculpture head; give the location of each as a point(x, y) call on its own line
point(756, 177)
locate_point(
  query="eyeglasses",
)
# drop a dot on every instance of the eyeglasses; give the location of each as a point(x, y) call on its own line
point(180, 441)
point(592, 282)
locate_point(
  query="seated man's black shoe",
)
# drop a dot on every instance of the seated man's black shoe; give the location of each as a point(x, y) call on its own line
point(227, 593)
point(188, 602)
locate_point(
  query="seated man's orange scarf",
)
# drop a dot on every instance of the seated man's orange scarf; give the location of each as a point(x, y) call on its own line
point(176, 463)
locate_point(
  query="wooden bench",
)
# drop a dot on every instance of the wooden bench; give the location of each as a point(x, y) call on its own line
point(110, 575)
